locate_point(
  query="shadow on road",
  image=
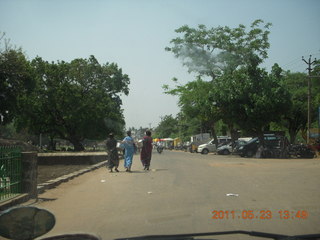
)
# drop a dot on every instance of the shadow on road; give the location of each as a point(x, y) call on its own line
point(47, 199)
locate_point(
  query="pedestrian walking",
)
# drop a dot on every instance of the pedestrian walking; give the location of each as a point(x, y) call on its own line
point(146, 151)
point(128, 145)
point(113, 157)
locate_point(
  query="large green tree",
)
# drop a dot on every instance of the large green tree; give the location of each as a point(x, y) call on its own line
point(195, 102)
point(296, 118)
point(221, 52)
point(252, 100)
point(168, 127)
point(15, 79)
point(215, 51)
point(75, 100)
point(315, 87)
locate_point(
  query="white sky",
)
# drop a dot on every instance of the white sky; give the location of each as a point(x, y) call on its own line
point(134, 33)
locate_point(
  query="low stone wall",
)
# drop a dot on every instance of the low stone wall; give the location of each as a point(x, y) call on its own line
point(71, 158)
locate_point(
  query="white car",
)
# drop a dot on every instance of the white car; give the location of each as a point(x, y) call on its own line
point(207, 147)
point(225, 149)
point(210, 146)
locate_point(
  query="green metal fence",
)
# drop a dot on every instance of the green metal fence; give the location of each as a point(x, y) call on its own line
point(10, 172)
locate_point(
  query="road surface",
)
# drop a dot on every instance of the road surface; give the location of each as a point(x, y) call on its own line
point(187, 193)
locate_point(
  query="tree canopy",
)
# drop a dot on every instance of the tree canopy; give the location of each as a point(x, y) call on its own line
point(75, 100)
point(215, 51)
point(15, 79)
point(195, 102)
point(251, 102)
point(168, 127)
point(240, 92)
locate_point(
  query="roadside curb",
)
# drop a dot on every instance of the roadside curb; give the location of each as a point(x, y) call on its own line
point(65, 178)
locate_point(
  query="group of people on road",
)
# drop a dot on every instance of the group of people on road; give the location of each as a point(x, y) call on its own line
point(129, 149)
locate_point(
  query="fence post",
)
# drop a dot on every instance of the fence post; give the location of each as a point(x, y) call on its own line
point(30, 173)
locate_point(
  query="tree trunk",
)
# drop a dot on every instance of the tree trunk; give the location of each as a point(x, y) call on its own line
point(77, 144)
point(52, 144)
point(261, 146)
point(293, 135)
point(233, 132)
point(214, 134)
point(261, 138)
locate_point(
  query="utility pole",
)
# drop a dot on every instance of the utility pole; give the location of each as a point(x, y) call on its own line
point(309, 63)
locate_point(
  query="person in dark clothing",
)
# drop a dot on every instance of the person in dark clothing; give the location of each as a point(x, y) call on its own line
point(146, 151)
point(113, 157)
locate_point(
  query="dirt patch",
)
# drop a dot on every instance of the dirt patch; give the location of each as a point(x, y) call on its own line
point(72, 163)
point(49, 172)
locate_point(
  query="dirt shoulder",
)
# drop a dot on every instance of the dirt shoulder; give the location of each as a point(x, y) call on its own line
point(49, 172)
point(53, 171)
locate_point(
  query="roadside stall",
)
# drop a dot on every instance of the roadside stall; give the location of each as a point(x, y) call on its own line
point(177, 144)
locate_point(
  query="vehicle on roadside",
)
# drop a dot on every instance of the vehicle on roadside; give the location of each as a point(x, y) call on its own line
point(274, 146)
point(249, 149)
point(301, 151)
point(230, 147)
point(211, 146)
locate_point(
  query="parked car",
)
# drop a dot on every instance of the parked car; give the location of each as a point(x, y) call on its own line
point(230, 147)
point(275, 146)
point(211, 146)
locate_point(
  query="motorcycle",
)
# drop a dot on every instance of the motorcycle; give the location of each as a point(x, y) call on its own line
point(301, 151)
point(159, 149)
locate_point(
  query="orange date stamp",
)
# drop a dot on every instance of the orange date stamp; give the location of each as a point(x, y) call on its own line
point(260, 214)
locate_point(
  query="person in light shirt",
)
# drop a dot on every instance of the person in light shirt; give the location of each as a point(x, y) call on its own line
point(128, 145)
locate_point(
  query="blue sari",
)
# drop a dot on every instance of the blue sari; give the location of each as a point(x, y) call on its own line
point(129, 151)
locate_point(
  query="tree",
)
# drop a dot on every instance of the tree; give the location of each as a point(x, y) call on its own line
point(15, 79)
point(75, 100)
point(189, 126)
point(221, 52)
point(195, 102)
point(215, 51)
point(168, 127)
point(252, 98)
point(296, 118)
point(315, 91)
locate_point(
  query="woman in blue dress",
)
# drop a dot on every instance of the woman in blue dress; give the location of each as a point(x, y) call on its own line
point(129, 151)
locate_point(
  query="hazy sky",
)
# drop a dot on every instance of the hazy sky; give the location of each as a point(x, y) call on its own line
point(134, 33)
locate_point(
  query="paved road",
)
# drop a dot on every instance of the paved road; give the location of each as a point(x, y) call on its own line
point(181, 192)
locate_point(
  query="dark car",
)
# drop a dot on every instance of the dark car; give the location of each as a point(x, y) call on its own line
point(274, 146)
point(230, 147)
point(249, 149)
